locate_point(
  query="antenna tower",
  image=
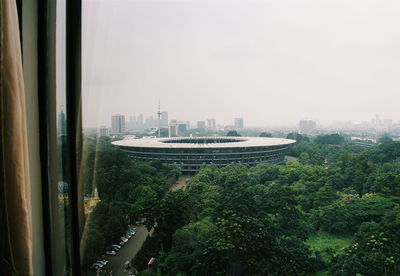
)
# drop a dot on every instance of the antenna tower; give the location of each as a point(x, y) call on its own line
point(159, 119)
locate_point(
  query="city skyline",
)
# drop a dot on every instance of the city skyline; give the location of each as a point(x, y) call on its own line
point(266, 61)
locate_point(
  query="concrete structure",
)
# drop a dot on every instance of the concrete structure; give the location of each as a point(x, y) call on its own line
point(211, 124)
point(118, 124)
point(173, 130)
point(238, 123)
point(191, 153)
point(182, 128)
point(306, 126)
point(62, 123)
point(103, 131)
point(164, 119)
point(201, 124)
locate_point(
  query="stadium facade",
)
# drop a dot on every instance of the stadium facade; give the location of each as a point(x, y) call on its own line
point(191, 153)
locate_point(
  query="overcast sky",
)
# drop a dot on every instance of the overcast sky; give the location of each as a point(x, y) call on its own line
point(268, 61)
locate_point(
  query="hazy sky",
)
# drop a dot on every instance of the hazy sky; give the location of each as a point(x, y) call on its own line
point(270, 62)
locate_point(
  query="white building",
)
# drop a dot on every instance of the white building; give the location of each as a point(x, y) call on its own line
point(238, 123)
point(118, 124)
point(211, 123)
point(173, 130)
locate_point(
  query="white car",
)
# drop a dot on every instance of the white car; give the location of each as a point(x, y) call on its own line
point(124, 239)
point(111, 252)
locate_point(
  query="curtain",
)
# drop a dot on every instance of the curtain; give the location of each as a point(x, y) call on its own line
point(16, 228)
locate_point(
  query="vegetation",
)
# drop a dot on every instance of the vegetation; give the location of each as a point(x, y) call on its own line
point(128, 190)
point(293, 219)
point(233, 133)
point(265, 134)
point(336, 211)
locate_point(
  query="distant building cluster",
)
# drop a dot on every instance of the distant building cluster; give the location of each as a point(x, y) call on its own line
point(161, 126)
point(238, 123)
point(307, 126)
point(117, 124)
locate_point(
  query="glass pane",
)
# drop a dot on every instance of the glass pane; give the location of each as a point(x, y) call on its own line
point(234, 137)
point(62, 212)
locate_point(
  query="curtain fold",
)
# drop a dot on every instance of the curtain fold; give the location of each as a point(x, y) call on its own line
point(15, 186)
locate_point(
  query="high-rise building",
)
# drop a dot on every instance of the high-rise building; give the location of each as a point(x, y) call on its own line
point(306, 126)
point(173, 130)
point(62, 123)
point(211, 123)
point(238, 123)
point(201, 124)
point(182, 128)
point(164, 119)
point(132, 122)
point(150, 122)
point(139, 121)
point(117, 124)
point(103, 131)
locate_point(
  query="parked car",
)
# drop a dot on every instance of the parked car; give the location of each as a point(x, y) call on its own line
point(128, 236)
point(103, 262)
point(116, 247)
point(121, 243)
point(111, 252)
point(132, 231)
point(101, 265)
point(96, 267)
point(124, 239)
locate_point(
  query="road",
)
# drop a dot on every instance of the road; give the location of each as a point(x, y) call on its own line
point(127, 252)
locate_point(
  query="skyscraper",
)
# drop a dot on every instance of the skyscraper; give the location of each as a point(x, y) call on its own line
point(173, 130)
point(201, 124)
point(306, 126)
point(164, 119)
point(103, 131)
point(118, 124)
point(238, 123)
point(139, 121)
point(62, 123)
point(182, 127)
point(211, 123)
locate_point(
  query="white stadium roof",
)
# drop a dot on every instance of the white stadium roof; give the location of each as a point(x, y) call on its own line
point(237, 142)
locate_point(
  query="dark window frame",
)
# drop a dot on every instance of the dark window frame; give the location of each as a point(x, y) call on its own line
point(48, 130)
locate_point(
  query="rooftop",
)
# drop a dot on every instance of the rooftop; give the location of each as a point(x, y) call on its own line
point(204, 142)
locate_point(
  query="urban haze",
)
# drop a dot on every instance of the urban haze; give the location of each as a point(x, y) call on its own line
point(269, 62)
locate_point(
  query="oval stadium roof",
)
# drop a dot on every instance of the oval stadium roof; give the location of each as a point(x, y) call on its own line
point(204, 142)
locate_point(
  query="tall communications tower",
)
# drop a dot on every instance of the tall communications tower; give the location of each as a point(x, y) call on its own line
point(159, 119)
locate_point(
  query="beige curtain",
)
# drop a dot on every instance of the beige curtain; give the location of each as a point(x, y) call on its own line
point(15, 201)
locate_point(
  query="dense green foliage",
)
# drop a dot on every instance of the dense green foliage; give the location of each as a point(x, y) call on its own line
point(265, 134)
point(233, 133)
point(330, 139)
point(336, 210)
point(265, 220)
point(128, 190)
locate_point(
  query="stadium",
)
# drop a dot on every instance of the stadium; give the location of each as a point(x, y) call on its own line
point(191, 153)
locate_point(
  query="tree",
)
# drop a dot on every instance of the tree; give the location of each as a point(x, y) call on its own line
point(187, 254)
point(375, 250)
point(298, 137)
point(172, 213)
point(233, 133)
point(331, 139)
point(385, 139)
point(93, 246)
point(265, 134)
